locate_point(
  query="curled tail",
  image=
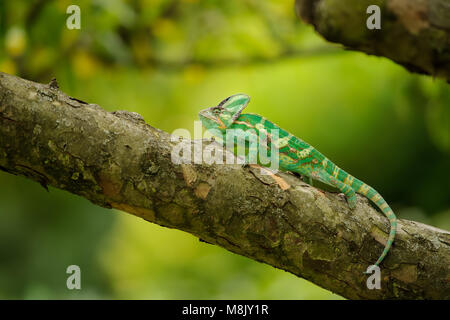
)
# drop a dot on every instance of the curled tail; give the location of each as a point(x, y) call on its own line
point(393, 221)
point(370, 193)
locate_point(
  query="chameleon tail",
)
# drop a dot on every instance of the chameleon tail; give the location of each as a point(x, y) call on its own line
point(393, 221)
point(375, 197)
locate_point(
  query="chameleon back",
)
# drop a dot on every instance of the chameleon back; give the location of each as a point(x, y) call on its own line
point(292, 150)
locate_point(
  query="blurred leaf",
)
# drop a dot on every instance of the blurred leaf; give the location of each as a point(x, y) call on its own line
point(8, 66)
point(15, 41)
point(85, 65)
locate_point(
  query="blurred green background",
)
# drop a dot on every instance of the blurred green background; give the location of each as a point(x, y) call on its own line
point(167, 60)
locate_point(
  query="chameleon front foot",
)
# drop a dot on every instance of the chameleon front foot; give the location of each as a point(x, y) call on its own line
point(351, 201)
point(308, 180)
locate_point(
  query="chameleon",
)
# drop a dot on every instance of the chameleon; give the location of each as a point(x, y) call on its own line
point(295, 155)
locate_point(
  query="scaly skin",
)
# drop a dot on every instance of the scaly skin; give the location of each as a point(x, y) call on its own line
point(295, 155)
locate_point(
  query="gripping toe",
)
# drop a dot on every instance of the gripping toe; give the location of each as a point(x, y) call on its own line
point(351, 201)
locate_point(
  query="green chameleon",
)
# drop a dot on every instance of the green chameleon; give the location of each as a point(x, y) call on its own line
point(295, 155)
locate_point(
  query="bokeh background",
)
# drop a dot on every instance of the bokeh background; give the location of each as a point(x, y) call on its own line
point(167, 60)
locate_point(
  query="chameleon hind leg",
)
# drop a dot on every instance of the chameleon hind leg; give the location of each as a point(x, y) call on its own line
point(305, 177)
point(326, 178)
point(344, 188)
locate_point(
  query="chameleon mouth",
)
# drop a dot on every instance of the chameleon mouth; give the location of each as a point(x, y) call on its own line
point(206, 114)
point(216, 120)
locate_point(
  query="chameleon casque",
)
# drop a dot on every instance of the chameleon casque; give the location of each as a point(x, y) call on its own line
point(295, 155)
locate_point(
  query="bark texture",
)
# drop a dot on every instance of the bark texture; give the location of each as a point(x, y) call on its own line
point(414, 33)
point(116, 160)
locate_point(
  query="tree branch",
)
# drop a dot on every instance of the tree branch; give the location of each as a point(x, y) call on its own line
point(414, 33)
point(116, 160)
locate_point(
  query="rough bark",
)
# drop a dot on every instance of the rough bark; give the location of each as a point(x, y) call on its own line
point(414, 33)
point(116, 160)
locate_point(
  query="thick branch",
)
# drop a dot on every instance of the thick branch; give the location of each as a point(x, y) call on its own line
point(414, 33)
point(118, 161)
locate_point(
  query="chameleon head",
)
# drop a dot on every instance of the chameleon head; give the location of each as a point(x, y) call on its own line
point(225, 113)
